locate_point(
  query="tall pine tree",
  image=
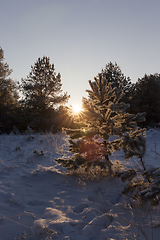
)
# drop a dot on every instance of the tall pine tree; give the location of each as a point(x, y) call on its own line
point(42, 87)
point(8, 95)
point(42, 91)
point(146, 98)
point(112, 72)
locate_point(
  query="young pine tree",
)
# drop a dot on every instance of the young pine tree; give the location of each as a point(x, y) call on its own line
point(104, 115)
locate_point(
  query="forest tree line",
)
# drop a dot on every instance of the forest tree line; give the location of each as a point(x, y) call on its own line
point(38, 101)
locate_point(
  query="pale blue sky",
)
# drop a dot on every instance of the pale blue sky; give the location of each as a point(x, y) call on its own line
point(81, 37)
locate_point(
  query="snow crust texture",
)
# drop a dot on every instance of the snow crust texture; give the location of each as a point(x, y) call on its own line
point(39, 201)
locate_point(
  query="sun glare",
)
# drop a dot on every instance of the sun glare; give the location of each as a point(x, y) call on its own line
point(77, 109)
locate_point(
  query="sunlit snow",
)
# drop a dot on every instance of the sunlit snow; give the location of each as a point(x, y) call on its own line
point(38, 201)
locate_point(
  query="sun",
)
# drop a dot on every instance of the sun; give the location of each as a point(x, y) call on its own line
point(77, 109)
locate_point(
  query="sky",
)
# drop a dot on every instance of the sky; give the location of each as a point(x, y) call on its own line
point(80, 37)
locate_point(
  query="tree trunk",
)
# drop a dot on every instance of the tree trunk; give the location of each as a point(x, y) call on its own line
point(108, 162)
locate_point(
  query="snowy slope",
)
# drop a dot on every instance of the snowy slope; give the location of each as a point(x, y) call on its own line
point(39, 201)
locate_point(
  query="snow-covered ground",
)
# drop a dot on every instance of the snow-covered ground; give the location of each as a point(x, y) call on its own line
point(39, 201)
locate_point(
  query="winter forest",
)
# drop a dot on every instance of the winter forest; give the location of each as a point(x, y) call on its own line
point(38, 101)
point(94, 174)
